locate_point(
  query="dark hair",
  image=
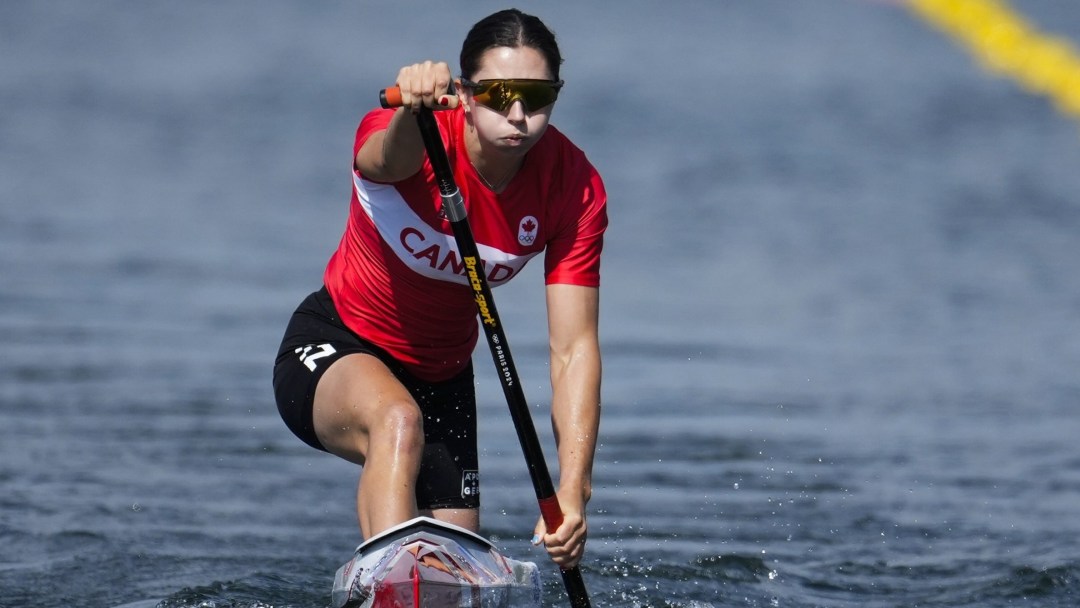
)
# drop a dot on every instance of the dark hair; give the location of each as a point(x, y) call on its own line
point(510, 28)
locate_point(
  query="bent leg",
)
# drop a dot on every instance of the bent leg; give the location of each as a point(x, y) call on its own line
point(362, 413)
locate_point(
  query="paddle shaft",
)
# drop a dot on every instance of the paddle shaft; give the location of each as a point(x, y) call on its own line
point(454, 207)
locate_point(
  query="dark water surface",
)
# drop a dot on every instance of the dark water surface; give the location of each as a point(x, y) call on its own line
point(841, 303)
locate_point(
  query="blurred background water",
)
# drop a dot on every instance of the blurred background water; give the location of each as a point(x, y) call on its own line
point(841, 303)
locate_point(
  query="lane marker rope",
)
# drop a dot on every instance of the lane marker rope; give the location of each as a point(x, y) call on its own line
point(1006, 44)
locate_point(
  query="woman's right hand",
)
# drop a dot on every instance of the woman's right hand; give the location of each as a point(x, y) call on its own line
point(426, 84)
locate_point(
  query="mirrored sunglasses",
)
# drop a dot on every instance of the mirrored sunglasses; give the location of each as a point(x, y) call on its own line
point(501, 93)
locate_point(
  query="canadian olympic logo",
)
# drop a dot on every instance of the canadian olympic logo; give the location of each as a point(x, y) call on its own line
point(527, 229)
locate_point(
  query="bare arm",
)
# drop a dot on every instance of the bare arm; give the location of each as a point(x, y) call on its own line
point(573, 313)
point(398, 152)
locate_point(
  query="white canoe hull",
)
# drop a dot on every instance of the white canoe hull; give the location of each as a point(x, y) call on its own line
point(431, 564)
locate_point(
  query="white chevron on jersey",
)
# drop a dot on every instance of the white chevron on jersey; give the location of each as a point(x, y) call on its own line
point(408, 235)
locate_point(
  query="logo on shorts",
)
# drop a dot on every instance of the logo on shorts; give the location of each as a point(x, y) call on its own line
point(527, 230)
point(470, 484)
point(309, 354)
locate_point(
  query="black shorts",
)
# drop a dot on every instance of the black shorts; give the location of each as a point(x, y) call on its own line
point(316, 337)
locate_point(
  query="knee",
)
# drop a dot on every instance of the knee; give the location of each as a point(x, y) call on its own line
point(401, 425)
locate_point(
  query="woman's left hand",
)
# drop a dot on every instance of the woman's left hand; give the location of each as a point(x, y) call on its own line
point(565, 546)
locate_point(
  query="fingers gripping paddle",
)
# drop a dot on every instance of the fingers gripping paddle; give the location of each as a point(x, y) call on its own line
point(454, 207)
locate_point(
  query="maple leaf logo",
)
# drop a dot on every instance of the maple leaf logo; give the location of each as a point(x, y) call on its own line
point(527, 230)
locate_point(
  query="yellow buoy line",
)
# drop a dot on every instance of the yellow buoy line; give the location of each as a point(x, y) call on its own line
point(1005, 43)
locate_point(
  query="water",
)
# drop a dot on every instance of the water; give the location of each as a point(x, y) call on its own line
point(840, 310)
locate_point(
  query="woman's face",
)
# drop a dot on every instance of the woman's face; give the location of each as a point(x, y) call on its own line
point(514, 130)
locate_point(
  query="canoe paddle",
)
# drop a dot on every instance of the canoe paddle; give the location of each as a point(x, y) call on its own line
point(454, 206)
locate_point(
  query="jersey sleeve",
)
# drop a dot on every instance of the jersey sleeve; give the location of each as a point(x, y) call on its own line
point(573, 254)
point(374, 121)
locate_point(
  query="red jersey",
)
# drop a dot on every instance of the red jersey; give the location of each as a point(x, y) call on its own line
point(397, 278)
